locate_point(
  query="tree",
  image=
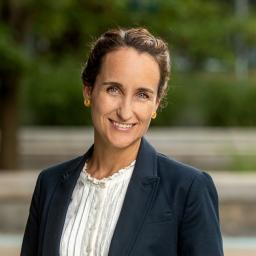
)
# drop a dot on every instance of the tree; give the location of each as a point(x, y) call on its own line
point(11, 68)
point(31, 29)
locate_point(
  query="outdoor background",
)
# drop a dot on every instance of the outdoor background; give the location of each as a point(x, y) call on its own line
point(209, 120)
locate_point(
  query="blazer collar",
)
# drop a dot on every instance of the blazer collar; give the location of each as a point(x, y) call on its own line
point(58, 206)
point(137, 202)
point(140, 194)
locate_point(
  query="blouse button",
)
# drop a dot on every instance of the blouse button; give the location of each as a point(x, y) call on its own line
point(102, 185)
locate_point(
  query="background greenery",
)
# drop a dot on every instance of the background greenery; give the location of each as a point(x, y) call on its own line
point(44, 43)
point(47, 43)
point(52, 95)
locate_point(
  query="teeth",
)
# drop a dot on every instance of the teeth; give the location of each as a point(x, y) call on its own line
point(122, 125)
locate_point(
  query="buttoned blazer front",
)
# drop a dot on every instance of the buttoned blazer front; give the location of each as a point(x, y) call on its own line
point(170, 209)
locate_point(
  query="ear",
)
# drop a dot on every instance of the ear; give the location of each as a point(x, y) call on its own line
point(87, 91)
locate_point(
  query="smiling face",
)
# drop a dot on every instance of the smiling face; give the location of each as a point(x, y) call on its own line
point(124, 97)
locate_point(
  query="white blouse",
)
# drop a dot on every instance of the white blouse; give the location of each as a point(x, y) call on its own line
point(93, 213)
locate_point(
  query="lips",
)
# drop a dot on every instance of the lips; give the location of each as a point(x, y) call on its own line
point(122, 126)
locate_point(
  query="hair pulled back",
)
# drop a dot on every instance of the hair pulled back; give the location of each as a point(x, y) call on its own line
point(138, 38)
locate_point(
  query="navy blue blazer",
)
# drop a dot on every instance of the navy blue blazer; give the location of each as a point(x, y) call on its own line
point(169, 209)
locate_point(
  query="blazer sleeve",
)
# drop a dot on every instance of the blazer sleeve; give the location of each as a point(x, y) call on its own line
point(200, 230)
point(31, 234)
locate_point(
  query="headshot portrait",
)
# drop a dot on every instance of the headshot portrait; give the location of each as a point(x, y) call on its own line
point(122, 196)
point(128, 128)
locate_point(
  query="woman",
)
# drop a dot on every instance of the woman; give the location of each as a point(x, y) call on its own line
point(122, 197)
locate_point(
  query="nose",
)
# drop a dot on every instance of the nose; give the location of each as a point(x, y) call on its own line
point(124, 111)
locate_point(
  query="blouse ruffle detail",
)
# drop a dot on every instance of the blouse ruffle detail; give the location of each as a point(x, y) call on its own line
point(93, 212)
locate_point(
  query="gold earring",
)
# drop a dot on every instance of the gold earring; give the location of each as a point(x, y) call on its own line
point(154, 115)
point(87, 103)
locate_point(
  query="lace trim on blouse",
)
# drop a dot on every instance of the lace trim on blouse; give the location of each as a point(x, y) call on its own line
point(87, 176)
point(93, 213)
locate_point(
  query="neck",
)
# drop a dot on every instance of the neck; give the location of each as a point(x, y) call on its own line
point(107, 160)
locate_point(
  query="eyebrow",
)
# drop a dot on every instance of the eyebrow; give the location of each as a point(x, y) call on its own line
point(122, 87)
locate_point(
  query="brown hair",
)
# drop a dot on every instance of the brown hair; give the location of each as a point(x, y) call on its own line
point(138, 38)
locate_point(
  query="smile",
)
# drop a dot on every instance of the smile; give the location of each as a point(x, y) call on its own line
point(121, 126)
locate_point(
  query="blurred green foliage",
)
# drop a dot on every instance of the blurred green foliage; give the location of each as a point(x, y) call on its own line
point(46, 42)
point(210, 100)
point(12, 57)
point(243, 163)
point(53, 96)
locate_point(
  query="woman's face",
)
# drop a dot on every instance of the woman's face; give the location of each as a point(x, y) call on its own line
point(124, 97)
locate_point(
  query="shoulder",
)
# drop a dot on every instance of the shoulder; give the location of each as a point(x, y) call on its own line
point(53, 174)
point(61, 168)
point(186, 184)
point(171, 167)
point(182, 175)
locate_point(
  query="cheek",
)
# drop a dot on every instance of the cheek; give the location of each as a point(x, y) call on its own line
point(102, 105)
point(144, 112)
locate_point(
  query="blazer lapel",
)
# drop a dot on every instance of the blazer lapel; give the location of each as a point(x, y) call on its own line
point(59, 205)
point(139, 197)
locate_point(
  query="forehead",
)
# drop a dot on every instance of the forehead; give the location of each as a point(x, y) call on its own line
point(128, 66)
